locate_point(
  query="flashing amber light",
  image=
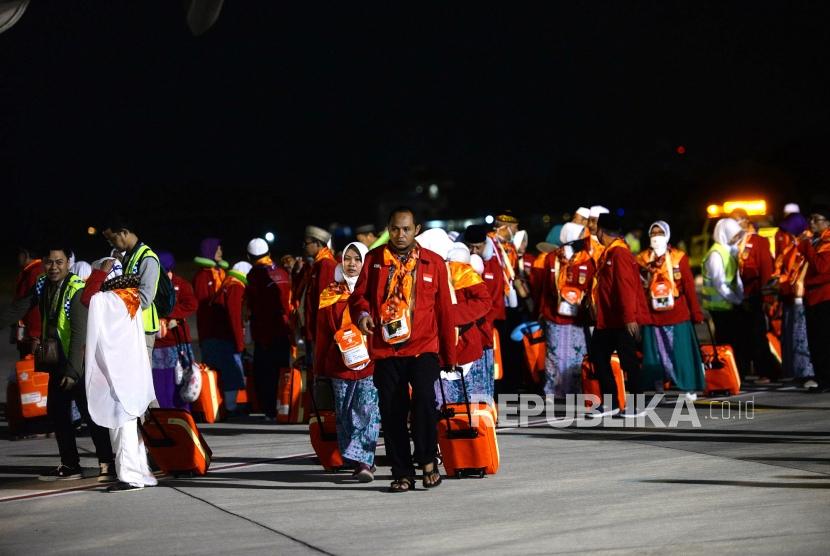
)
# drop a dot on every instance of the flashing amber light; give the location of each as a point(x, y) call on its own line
point(713, 211)
point(756, 207)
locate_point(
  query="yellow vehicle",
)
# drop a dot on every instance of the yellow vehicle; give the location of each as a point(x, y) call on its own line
point(756, 208)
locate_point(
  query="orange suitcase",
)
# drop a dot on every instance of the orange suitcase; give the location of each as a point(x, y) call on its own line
point(720, 370)
point(174, 441)
point(467, 438)
point(535, 349)
point(209, 405)
point(498, 370)
point(774, 346)
point(590, 383)
point(34, 387)
point(322, 427)
point(292, 396)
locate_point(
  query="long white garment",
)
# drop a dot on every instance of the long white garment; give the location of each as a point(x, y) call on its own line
point(119, 380)
point(131, 464)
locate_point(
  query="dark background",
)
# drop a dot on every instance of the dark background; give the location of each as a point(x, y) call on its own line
point(283, 115)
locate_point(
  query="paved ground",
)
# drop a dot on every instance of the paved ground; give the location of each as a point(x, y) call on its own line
point(737, 485)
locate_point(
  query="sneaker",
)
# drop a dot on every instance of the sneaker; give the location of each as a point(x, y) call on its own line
point(364, 473)
point(810, 385)
point(690, 396)
point(106, 473)
point(63, 473)
point(121, 486)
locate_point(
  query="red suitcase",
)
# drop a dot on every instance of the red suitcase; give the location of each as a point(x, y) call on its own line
point(535, 349)
point(292, 396)
point(720, 370)
point(322, 428)
point(175, 443)
point(590, 383)
point(467, 437)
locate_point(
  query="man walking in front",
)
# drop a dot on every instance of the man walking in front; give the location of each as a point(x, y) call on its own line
point(403, 302)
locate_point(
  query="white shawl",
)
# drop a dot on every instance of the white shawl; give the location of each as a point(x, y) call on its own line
point(119, 380)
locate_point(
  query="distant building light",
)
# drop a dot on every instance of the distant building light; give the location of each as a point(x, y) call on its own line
point(468, 223)
point(91, 230)
point(680, 149)
point(419, 189)
point(620, 212)
point(489, 219)
point(269, 237)
point(435, 224)
point(433, 191)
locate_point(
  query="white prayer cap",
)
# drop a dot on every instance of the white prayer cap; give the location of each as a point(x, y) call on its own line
point(437, 241)
point(81, 269)
point(258, 247)
point(242, 266)
point(477, 263)
point(596, 210)
point(583, 212)
point(459, 253)
point(791, 208)
point(571, 232)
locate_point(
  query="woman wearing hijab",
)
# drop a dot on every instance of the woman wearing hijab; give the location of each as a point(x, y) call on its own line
point(670, 348)
point(172, 345)
point(341, 354)
point(569, 275)
point(723, 291)
point(791, 267)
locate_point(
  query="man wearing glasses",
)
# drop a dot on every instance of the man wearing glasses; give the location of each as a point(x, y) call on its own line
point(815, 246)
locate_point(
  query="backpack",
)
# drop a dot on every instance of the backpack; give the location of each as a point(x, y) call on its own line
point(165, 298)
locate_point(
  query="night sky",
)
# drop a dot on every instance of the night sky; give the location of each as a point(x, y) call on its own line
point(283, 115)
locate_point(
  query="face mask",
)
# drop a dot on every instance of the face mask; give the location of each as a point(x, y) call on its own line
point(660, 245)
point(350, 282)
point(569, 251)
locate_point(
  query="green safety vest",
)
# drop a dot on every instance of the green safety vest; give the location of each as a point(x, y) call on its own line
point(58, 312)
point(712, 299)
point(150, 315)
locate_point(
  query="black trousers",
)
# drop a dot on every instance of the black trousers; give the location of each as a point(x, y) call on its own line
point(754, 328)
point(818, 338)
point(268, 360)
point(603, 344)
point(59, 410)
point(392, 379)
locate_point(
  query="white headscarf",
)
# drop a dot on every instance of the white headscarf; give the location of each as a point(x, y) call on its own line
point(242, 266)
point(584, 212)
point(477, 263)
point(725, 230)
point(350, 280)
point(81, 269)
point(459, 253)
point(437, 241)
point(660, 244)
point(570, 232)
point(519, 238)
point(596, 210)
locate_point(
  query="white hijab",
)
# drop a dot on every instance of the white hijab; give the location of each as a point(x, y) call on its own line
point(570, 232)
point(437, 241)
point(338, 272)
point(725, 230)
point(660, 244)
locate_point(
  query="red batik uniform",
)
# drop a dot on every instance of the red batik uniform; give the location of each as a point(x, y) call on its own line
point(686, 306)
point(320, 276)
point(472, 305)
point(619, 293)
point(559, 273)
point(334, 306)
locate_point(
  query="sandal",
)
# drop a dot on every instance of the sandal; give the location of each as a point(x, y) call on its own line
point(404, 484)
point(432, 478)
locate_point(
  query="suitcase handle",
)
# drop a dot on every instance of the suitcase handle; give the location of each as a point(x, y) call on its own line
point(468, 433)
point(165, 442)
point(716, 362)
point(328, 436)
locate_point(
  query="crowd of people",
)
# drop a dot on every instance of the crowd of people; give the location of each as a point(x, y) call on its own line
point(397, 323)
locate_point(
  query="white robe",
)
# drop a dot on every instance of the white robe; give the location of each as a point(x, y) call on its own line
point(119, 380)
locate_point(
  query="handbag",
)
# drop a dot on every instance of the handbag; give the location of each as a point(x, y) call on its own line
point(188, 375)
point(46, 352)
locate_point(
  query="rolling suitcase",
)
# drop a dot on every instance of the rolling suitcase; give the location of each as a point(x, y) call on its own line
point(467, 437)
point(774, 346)
point(498, 369)
point(322, 428)
point(720, 369)
point(209, 405)
point(292, 396)
point(175, 443)
point(535, 349)
point(590, 383)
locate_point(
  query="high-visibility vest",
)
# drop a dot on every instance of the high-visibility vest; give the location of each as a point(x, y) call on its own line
point(712, 299)
point(150, 314)
point(59, 309)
